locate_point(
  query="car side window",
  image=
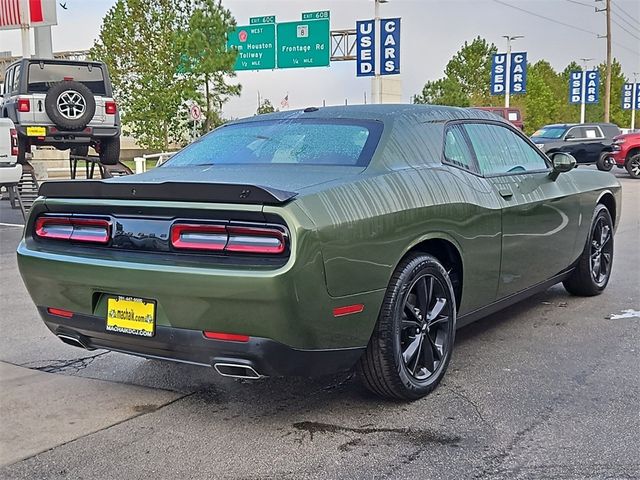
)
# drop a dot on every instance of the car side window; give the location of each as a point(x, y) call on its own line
point(499, 150)
point(8, 81)
point(591, 132)
point(456, 149)
point(16, 79)
point(574, 133)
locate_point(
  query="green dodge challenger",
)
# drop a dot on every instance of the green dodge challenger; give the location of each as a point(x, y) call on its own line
point(313, 241)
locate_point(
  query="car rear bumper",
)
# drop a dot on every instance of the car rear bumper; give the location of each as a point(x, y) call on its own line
point(55, 136)
point(265, 356)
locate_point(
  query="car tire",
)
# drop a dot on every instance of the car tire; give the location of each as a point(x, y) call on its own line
point(80, 150)
point(395, 364)
point(66, 120)
point(633, 166)
point(593, 270)
point(605, 162)
point(109, 151)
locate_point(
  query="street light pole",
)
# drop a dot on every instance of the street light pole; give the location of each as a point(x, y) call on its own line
point(583, 88)
point(377, 79)
point(507, 93)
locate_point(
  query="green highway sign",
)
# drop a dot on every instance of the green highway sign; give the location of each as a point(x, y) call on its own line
point(256, 45)
point(265, 19)
point(304, 44)
point(324, 14)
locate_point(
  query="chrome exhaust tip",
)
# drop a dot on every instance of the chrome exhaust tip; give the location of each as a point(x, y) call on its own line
point(236, 370)
point(73, 341)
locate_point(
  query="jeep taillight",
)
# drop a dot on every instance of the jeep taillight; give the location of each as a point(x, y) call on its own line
point(88, 230)
point(110, 107)
point(264, 240)
point(24, 105)
point(14, 142)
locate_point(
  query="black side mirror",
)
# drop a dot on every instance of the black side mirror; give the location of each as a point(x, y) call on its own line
point(569, 137)
point(562, 162)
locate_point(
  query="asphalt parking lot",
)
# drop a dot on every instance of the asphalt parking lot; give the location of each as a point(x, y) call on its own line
point(549, 388)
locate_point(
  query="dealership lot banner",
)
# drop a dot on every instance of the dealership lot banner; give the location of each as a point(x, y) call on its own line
point(365, 48)
point(509, 71)
point(631, 96)
point(389, 47)
point(13, 13)
point(584, 86)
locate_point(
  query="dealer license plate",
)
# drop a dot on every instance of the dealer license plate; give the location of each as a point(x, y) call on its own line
point(36, 131)
point(131, 315)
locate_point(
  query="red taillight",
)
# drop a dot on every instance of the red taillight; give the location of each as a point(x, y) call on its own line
point(198, 237)
point(14, 141)
point(60, 312)
point(227, 337)
point(89, 230)
point(228, 238)
point(110, 107)
point(348, 310)
point(24, 105)
point(255, 240)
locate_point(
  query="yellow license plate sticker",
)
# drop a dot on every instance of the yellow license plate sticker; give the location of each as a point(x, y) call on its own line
point(131, 315)
point(36, 131)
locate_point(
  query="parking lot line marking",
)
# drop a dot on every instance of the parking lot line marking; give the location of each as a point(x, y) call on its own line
point(2, 224)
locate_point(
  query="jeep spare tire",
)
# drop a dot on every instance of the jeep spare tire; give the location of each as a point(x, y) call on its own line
point(70, 105)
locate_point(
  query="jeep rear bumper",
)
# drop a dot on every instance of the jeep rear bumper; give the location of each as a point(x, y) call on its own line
point(55, 136)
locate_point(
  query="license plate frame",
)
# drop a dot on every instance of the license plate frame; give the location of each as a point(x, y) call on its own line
point(36, 131)
point(130, 315)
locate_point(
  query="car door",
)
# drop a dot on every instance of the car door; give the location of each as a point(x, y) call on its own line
point(539, 214)
point(585, 143)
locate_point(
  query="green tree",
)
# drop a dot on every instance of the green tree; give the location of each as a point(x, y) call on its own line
point(145, 44)
point(211, 63)
point(470, 67)
point(266, 107)
point(444, 91)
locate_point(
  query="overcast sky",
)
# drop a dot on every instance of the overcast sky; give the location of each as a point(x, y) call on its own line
point(432, 31)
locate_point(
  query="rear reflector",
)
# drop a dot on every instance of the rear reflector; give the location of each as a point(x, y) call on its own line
point(227, 337)
point(88, 230)
point(228, 238)
point(348, 310)
point(60, 312)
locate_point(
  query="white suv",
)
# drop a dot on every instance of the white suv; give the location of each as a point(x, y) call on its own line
point(10, 170)
point(64, 103)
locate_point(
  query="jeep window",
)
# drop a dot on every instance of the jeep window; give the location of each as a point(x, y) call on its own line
point(16, 79)
point(550, 132)
point(43, 76)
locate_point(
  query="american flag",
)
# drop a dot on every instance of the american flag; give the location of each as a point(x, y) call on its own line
point(12, 15)
point(285, 101)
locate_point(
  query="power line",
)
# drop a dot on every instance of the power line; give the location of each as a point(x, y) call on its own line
point(624, 12)
point(545, 18)
point(635, 51)
point(622, 27)
point(580, 3)
point(621, 17)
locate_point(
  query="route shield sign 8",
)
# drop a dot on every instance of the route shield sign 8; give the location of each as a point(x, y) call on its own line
point(256, 45)
point(304, 44)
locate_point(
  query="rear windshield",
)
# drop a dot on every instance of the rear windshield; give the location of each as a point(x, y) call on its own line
point(550, 132)
point(44, 76)
point(298, 141)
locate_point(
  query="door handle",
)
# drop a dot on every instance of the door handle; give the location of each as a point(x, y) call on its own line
point(506, 194)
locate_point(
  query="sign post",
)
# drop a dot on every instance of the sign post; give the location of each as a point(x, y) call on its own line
point(509, 74)
point(584, 89)
point(631, 100)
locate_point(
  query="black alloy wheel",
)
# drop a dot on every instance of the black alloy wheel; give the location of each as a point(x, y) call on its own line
point(633, 166)
point(424, 337)
point(593, 269)
point(601, 252)
point(412, 341)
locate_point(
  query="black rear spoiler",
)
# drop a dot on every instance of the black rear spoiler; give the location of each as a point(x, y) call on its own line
point(168, 191)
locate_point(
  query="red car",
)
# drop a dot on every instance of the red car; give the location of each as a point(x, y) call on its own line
point(511, 114)
point(626, 153)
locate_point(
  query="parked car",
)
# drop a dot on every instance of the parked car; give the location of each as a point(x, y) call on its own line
point(626, 153)
point(307, 242)
point(67, 104)
point(10, 170)
point(588, 143)
point(511, 114)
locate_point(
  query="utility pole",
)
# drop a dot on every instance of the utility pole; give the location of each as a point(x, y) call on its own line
point(583, 88)
point(607, 84)
point(507, 93)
